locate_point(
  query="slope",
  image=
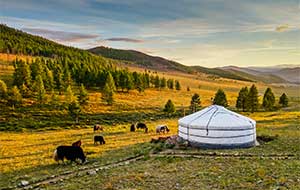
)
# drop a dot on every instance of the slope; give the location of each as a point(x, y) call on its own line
point(14, 41)
point(158, 63)
point(254, 75)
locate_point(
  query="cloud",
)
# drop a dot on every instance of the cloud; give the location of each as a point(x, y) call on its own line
point(282, 28)
point(61, 36)
point(132, 40)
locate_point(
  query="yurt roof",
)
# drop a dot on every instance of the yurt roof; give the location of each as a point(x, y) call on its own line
point(218, 117)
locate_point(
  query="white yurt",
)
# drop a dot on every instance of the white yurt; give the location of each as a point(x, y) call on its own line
point(217, 127)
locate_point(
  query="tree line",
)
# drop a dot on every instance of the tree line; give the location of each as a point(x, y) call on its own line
point(247, 100)
point(41, 76)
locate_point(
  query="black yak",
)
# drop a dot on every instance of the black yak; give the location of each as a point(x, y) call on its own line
point(132, 128)
point(99, 139)
point(70, 153)
point(142, 126)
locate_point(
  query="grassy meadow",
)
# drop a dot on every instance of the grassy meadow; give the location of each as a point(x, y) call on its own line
point(27, 156)
point(29, 135)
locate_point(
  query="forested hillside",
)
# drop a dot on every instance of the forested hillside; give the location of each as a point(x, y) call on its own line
point(66, 63)
point(159, 63)
point(141, 59)
point(18, 42)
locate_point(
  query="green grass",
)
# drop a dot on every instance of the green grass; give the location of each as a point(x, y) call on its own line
point(208, 172)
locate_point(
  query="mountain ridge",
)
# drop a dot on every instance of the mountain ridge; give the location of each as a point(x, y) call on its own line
point(272, 73)
point(159, 63)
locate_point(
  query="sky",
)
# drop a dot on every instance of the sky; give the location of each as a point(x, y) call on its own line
point(210, 33)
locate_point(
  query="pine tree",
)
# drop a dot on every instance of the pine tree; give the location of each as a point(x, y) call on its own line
point(3, 90)
point(135, 77)
point(74, 110)
point(58, 77)
point(177, 85)
point(15, 97)
point(152, 81)
point(40, 89)
point(220, 98)
point(139, 84)
point(195, 103)
point(36, 69)
point(283, 100)
point(109, 90)
point(67, 78)
point(83, 95)
point(268, 100)
point(54, 99)
point(163, 83)
point(170, 84)
point(22, 74)
point(128, 82)
point(146, 80)
point(157, 82)
point(70, 95)
point(241, 102)
point(169, 107)
point(252, 99)
point(122, 80)
point(49, 81)
point(25, 91)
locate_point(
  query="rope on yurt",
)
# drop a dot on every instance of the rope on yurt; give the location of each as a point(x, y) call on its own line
point(188, 125)
point(248, 120)
point(210, 120)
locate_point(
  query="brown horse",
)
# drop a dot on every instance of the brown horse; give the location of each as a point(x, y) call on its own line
point(77, 143)
point(98, 127)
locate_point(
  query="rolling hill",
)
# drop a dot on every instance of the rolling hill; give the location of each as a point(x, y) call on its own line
point(290, 73)
point(13, 41)
point(161, 64)
point(140, 59)
point(267, 74)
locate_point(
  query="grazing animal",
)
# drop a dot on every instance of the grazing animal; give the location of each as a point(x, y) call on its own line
point(98, 127)
point(132, 128)
point(70, 153)
point(141, 126)
point(77, 143)
point(162, 129)
point(99, 139)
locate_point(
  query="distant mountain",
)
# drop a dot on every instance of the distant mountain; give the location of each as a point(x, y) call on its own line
point(141, 59)
point(159, 63)
point(291, 74)
point(223, 73)
point(273, 74)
